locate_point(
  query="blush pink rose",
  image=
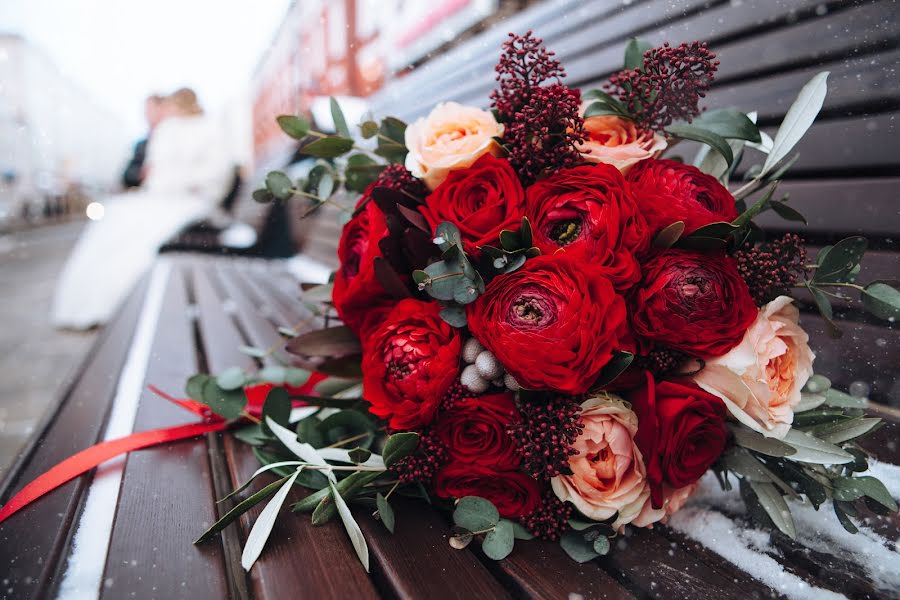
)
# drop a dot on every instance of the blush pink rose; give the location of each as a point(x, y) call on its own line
point(451, 137)
point(673, 500)
point(608, 473)
point(616, 141)
point(760, 379)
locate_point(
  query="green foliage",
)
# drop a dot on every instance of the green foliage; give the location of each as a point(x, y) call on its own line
point(279, 185)
point(337, 115)
point(294, 126)
point(475, 514)
point(361, 172)
point(634, 53)
point(328, 147)
point(398, 446)
point(392, 140)
point(385, 512)
point(687, 131)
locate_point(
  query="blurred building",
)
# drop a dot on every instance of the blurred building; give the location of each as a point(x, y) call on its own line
point(350, 48)
point(54, 138)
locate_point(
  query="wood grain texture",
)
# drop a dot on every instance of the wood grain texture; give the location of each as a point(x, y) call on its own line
point(34, 541)
point(151, 552)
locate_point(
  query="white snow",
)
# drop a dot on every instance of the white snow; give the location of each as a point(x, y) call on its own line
point(84, 571)
point(749, 549)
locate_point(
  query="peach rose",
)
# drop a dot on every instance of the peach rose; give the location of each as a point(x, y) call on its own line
point(452, 137)
point(760, 378)
point(608, 473)
point(673, 500)
point(618, 142)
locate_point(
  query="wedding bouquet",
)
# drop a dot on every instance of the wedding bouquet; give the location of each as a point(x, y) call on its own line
point(552, 325)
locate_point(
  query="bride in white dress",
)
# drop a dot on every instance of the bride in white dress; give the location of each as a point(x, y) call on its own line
point(188, 172)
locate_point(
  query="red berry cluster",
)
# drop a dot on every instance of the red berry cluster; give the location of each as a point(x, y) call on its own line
point(524, 65)
point(771, 268)
point(423, 464)
point(544, 437)
point(396, 177)
point(550, 519)
point(543, 125)
point(542, 137)
point(669, 86)
point(662, 361)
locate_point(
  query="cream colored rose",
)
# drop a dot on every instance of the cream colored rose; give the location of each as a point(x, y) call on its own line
point(452, 137)
point(673, 500)
point(618, 142)
point(608, 473)
point(760, 378)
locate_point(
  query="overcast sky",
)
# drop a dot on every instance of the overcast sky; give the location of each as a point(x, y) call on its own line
point(121, 50)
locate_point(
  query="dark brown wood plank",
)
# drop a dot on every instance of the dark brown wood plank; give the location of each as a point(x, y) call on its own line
point(866, 355)
point(541, 569)
point(151, 552)
point(33, 541)
point(839, 207)
point(417, 560)
point(310, 563)
point(668, 569)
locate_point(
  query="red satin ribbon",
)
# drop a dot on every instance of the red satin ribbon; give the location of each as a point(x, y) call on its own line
point(97, 454)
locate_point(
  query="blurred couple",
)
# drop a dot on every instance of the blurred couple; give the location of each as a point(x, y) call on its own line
point(179, 174)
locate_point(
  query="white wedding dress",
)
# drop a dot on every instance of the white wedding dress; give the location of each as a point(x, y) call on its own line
point(189, 172)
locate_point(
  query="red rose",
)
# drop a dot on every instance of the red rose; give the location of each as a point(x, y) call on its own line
point(695, 302)
point(553, 323)
point(590, 209)
point(669, 191)
point(356, 288)
point(481, 201)
point(474, 431)
point(681, 432)
point(514, 493)
point(409, 361)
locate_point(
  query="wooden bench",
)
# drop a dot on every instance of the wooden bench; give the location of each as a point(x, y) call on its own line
point(193, 313)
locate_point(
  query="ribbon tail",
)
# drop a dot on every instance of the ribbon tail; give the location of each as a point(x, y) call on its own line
point(89, 458)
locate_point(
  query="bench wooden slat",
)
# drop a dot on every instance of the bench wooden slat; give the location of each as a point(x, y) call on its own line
point(155, 522)
point(311, 563)
point(34, 541)
point(541, 570)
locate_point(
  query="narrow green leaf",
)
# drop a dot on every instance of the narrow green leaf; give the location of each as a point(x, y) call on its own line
point(634, 53)
point(746, 437)
point(698, 134)
point(615, 367)
point(667, 237)
point(848, 489)
point(748, 215)
point(813, 450)
point(787, 213)
point(838, 432)
point(798, 119)
point(772, 501)
point(240, 509)
point(277, 408)
point(385, 512)
point(729, 123)
point(337, 115)
point(262, 528)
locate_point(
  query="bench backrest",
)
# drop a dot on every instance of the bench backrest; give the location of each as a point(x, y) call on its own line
point(846, 178)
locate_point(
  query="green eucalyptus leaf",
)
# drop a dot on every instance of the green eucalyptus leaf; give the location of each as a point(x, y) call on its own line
point(361, 171)
point(279, 185)
point(263, 196)
point(840, 260)
point(848, 489)
point(277, 407)
point(882, 299)
point(328, 147)
point(499, 542)
point(455, 316)
point(520, 533)
point(601, 545)
point(368, 129)
point(475, 514)
point(228, 404)
point(577, 547)
point(294, 126)
point(824, 306)
point(398, 446)
point(194, 386)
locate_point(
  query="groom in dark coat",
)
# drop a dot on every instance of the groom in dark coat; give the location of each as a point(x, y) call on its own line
point(134, 172)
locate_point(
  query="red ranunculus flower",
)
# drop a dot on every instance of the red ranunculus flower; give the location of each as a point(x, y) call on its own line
point(514, 493)
point(409, 362)
point(481, 201)
point(590, 209)
point(668, 191)
point(553, 324)
point(681, 432)
point(474, 431)
point(356, 289)
point(695, 302)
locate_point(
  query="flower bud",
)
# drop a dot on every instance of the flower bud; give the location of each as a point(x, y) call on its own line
point(471, 380)
point(471, 350)
point(488, 366)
